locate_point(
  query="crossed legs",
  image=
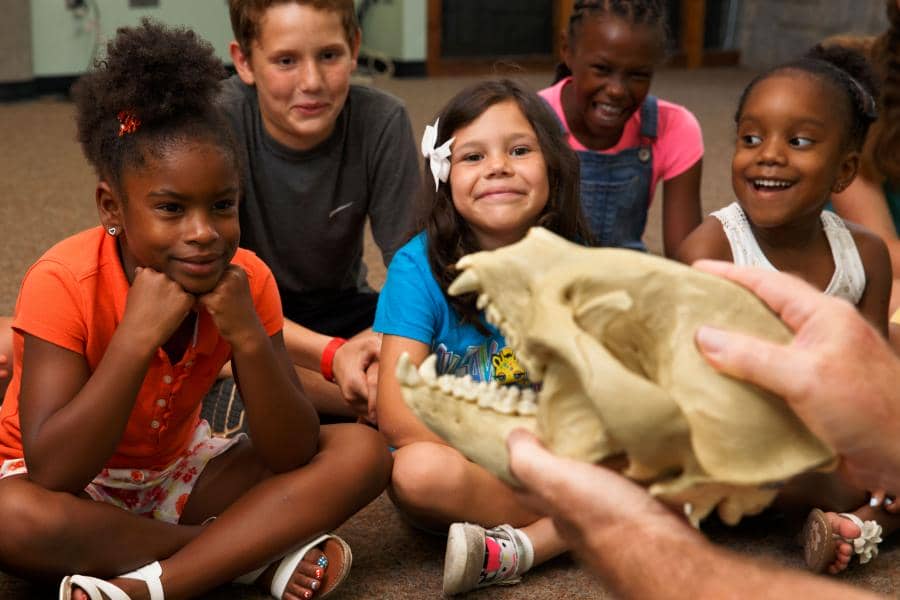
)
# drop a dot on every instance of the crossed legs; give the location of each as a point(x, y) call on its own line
point(260, 516)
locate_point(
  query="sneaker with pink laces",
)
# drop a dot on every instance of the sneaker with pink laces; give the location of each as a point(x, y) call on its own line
point(477, 557)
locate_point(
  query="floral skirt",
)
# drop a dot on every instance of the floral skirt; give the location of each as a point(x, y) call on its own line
point(160, 495)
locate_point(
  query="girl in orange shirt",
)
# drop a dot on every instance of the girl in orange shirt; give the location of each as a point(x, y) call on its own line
point(118, 333)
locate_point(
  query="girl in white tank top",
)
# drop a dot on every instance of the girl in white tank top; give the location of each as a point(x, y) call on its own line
point(800, 129)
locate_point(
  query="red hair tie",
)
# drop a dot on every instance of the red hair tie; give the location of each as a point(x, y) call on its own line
point(128, 122)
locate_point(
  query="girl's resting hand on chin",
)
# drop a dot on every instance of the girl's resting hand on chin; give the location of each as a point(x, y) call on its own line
point(155, 307)
point(231, 308)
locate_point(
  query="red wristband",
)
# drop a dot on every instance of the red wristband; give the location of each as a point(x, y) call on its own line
point(328, 357)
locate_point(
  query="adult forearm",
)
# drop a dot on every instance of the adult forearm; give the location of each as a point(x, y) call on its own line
point(676, 563)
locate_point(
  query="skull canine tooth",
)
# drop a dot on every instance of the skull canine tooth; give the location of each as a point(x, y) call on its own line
point(466, 282)
point(463, 263)
point(406, 372)
point(428, 369)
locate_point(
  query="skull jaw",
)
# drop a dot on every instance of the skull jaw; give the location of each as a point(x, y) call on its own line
point(478, 433)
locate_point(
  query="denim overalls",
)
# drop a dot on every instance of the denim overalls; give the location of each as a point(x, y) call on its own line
point(615, 188)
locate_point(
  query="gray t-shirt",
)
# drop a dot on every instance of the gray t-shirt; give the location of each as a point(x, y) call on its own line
point(304, 212)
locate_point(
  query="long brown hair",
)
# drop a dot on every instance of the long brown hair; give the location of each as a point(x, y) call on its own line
point(449, 235)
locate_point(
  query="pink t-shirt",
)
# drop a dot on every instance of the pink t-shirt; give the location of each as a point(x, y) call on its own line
point(679, 142)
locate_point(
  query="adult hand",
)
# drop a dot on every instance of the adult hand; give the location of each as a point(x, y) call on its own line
point(593, 508)
point(838, 374)
point(352, 368)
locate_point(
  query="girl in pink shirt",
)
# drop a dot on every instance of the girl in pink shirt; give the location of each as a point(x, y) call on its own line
point(626, 140)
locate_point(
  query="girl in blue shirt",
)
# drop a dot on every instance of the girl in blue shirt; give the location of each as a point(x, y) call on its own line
point(500, 166)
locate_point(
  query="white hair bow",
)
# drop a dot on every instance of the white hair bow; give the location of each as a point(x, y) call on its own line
point(439, 158)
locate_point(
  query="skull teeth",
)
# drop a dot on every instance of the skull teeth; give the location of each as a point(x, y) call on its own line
point(466, 282)
point(428, 369)
point(406, 371)
point(507, 400)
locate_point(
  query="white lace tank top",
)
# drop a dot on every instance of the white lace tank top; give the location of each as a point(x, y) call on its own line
point(849, 279)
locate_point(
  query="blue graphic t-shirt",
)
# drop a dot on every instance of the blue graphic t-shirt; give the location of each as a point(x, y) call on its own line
point(412, 305)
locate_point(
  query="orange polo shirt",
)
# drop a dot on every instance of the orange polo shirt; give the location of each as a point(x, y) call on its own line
point(74, 297)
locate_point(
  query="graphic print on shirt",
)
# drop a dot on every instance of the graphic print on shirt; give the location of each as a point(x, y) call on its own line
point(507, 368)
point(484, 362)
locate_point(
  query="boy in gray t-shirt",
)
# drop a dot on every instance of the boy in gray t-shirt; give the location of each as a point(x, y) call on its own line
point(320, 157)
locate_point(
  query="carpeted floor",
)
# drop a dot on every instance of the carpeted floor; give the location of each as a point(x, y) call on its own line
point(46, 193)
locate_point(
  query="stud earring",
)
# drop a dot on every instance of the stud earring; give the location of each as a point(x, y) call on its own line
point(113, 231)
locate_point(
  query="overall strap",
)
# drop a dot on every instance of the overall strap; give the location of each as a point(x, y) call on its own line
point(649, 117)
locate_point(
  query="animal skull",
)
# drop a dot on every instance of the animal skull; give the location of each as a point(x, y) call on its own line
point(610, 335)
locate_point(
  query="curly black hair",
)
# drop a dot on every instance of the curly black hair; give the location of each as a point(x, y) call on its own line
point(848, 72)
point(165, 78)
point(449, 235)
point(637, 12)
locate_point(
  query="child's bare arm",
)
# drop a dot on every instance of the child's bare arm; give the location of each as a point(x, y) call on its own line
point(708, 240)
point(681, 207)
point(395, 420)
point(282, 421)
point(350, 362)
point(72, 419)
point(863, 202)
point(879, 277)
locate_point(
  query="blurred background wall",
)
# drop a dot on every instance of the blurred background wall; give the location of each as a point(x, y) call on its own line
point(45, 44)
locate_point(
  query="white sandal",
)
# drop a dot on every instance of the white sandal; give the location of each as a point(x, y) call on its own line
point(93, 586)
point(288, 564)
point(866, 545)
